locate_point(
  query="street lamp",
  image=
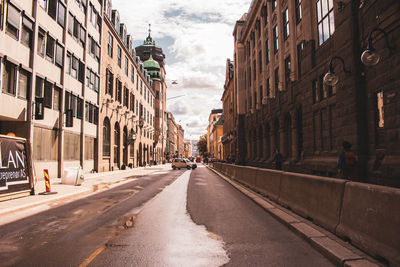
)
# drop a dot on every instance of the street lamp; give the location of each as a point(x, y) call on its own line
point(370, 57)
point(330, 77)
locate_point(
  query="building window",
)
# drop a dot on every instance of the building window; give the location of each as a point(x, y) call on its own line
point(109, 82)
point(132, 74)
point(9, 78)
point(275, 35)
point(300, 48)
point(261, 94)
point(106, 137)
point(59, 55)
point(41, 42)
point(126, 97)
point(287, 70)
point(70, 23)
point(285, 16)
point(132, 103)
point(13, 20)
point(110, 45)
point(48, 94)
point(74, 67)
point(26, 33)
point(276, 81)
point(79, 108)
point(273, 5)
point(260, 60)
point(126, 66)
point(23, 84)
point(39, 87)
point(268, 89)
point(56, 98)
point(298, 10)
point(380, 114)
point(325, 19)
point(119, 90)
point(61, 14)
point(119, 55)
point(50, 46)
point(52, 9)
point(76, 28)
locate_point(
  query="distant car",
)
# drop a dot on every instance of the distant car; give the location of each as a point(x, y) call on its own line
point(194, 165)
point(198, 160)
point(181, 163)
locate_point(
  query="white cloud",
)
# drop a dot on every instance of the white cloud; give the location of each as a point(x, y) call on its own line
point(201, 34)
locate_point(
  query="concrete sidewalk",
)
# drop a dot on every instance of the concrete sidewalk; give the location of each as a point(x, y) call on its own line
point(15, 209)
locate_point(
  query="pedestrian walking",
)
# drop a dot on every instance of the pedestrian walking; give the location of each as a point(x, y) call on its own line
point(346, 162)
point(278, 158)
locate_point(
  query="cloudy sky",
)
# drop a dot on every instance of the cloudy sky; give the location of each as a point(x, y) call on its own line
point(196, 37)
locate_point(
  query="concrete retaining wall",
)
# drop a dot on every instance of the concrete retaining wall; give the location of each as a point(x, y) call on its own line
point(367, 215)
point(370, 218)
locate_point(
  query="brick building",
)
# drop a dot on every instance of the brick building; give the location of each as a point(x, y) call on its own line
point(127, 100)
point(282, 51)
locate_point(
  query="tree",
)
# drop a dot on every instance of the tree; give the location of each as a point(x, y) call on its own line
point(202, 146)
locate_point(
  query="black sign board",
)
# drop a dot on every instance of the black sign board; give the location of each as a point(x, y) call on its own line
point(14, 165)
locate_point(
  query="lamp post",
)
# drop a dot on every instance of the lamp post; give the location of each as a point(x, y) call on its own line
point(370, 57)
point(330, 77)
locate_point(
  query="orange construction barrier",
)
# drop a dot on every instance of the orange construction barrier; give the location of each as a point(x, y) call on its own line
point(47, 183)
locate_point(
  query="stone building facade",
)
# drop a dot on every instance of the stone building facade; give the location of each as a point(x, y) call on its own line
point(154, 59)
point(127, 100)
point(180, 141)
point(50, 56)
point(227, 112)
point(172, 137)
point(282, 51)
point(213, 118)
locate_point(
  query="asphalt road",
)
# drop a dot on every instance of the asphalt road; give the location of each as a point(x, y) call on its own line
point(181, 218)
point(252, 237)
point(204, 221)
point(68, 235)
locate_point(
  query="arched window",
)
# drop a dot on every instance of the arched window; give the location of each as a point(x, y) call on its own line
point(106, 137)
point(116, 143)
point(132, 145)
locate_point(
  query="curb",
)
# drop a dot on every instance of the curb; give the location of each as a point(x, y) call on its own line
point(324, 243)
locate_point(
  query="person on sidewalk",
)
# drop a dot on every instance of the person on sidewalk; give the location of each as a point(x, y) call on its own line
point(278, 159)
point(346, 162)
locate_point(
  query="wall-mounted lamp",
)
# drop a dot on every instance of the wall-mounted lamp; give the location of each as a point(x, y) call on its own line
point(330, 77)
point(370, 57)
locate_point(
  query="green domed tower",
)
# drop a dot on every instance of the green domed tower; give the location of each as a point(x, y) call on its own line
point(153, 68)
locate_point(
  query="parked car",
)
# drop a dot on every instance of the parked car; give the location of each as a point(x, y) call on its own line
point(181, 163)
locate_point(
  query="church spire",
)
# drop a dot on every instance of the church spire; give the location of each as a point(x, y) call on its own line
point(149, 39)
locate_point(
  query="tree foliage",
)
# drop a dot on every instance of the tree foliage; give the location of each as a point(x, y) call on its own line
point(202, 145)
